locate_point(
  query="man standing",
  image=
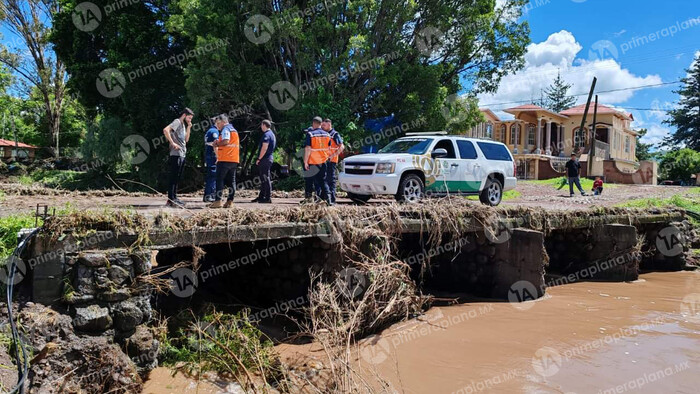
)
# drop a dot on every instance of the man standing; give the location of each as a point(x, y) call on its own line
point(210, 162)
point(316, 153)
point(178, 134)
point(573, 167)
point(336, 149)
point(268, 143)
point(227, 153)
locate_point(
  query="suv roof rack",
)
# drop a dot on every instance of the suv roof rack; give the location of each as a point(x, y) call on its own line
point(427, 133)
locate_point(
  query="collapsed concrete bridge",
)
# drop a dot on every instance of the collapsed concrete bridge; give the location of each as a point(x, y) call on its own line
point(104, 268)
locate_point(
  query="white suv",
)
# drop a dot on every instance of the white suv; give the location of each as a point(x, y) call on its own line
point(416, 166)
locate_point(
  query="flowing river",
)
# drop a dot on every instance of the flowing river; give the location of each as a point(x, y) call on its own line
point(588, 337)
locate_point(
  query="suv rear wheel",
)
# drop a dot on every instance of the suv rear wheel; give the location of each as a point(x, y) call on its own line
point(411, 189)
point(359, 198)
point(492, 193)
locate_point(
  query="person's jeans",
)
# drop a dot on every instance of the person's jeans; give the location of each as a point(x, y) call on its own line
point(317, 175)
point(265, 182)
point(225, 176)
point(176, 165)
point(331, 178)
point(598, 191)
point(210, 177)
point(575, 180)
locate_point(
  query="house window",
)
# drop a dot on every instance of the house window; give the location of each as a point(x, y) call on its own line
point(515, 134)
point(580, 137)
point(627, 144)
point(489, 130)
point(503, 134)
point(531, 134)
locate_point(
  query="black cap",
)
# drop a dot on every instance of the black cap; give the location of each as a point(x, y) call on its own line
point(187, 111)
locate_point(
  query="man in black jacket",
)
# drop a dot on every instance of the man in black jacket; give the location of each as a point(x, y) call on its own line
point(573, 168)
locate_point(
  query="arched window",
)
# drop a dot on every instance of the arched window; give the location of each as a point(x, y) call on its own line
point(515, 134)
point(531, 134)
point(489, 130)
point(580, 137)
point(502, 137)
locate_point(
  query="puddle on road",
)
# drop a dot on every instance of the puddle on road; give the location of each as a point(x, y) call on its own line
point(585, 337)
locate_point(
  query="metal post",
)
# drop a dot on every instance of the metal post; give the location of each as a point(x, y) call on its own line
point(591, 151)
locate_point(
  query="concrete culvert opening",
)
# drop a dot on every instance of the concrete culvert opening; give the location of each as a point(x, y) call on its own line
point(270, 278)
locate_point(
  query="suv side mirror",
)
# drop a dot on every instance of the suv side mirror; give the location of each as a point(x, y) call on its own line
point(438, 153)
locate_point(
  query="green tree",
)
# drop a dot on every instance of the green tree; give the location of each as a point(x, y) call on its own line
point(556, 96)
point(127, 72)
point(34, 62)
point(686, 116)
point(679, 164)
point(643, 150)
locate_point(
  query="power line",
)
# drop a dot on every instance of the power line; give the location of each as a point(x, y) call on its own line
point(586, 94)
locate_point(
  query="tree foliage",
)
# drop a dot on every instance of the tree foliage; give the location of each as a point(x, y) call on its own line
point(42, 72)
point(686, 117)
point(349, 61)
point(643, 150)
point(556, 96)
point(679, 164)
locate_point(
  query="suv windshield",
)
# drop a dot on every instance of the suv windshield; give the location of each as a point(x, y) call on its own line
point(414, 146)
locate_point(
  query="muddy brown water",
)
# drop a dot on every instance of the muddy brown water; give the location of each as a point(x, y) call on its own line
point(589, 337)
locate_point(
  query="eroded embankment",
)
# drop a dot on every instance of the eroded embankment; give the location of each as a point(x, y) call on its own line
point(202, 288)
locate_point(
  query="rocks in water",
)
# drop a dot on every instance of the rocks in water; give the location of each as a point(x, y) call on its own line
point(92, 318)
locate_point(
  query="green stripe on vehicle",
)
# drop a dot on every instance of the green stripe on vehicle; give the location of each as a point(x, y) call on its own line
point(454, 186)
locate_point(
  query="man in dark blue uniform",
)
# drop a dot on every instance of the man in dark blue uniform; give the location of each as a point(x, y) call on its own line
point(267, 146)
point(335, 152)
point(210, 162)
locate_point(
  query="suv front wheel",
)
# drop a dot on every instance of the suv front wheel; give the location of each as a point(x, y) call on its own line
point(411, 189)
point(492, 193)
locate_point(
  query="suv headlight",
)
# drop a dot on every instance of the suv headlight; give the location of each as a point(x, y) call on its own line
point(385, 168)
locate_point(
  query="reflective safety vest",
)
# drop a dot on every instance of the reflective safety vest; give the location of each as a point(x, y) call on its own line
point(334, 147)
point(320, 146)
point(230, 152)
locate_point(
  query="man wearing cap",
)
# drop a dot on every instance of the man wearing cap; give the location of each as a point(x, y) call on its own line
point(336, 148)
point(573, 167)
point(316, 154)
point(210, 162)
point(227, 153)
point(268, 143)
point(178, 134)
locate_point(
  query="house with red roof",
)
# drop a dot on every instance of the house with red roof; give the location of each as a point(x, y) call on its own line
point(542, 141)
point(11, 150)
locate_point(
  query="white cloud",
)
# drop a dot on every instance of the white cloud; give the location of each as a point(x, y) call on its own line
point(559, 53)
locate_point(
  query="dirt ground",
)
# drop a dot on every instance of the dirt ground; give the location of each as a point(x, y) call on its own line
point(16, 199)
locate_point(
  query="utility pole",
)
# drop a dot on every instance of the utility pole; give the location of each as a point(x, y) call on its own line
point(591, 151)
point(585, 114)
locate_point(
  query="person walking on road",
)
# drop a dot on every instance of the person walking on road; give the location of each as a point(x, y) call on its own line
point(573, 169)
point(268, 143)
point(336, 149)
point(227, 153)
point(316, 154)
point(210, 162)
point(178, 134)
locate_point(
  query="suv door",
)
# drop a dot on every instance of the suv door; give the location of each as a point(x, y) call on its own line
point(446, 174)
point(470, 167)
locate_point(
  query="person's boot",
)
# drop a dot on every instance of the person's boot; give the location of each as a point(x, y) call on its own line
point(216, 204)
point(228, 204)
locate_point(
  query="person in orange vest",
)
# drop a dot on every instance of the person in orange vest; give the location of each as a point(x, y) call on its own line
point(337, 148)
point(316, 154)
point(227, 153)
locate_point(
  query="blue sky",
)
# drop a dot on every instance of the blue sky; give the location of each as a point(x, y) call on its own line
point(625, 43)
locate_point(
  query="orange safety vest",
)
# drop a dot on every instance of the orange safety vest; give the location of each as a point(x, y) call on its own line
point(320, 146)
point(334, 147)
point(230, 152)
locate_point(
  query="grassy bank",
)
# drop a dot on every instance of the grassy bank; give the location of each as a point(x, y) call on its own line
point(9, 227)
point(560, 183)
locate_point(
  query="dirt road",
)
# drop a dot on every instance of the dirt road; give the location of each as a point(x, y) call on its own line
point(14, 200)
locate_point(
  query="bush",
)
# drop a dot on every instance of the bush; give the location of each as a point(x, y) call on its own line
point(9, 227)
